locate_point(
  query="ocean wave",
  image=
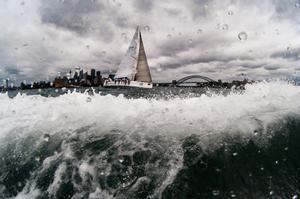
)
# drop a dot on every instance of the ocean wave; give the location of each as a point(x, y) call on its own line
point(79, 145)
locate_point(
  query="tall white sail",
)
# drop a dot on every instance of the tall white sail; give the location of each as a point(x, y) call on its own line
point(127, 67)
point(134, 64)
point(143, 71)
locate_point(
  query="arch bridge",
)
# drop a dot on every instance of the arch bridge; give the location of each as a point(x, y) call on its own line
point(185, 79)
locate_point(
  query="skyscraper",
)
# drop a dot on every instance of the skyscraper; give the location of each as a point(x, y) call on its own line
point(93, 74)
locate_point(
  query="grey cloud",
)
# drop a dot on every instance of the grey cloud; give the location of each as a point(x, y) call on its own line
point(293, 54)
point(144, 5)
point(271, 67)
point(74, 15)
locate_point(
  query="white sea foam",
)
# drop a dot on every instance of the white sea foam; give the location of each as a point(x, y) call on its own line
point(257, 107)
point(264, 102)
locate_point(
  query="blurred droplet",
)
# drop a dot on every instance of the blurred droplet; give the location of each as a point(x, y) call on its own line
point(297, 5)
point(271, 192)
point(147, 28)
point(24, 45)
point(16, 48)
point(121, 160)
point(215, 192)
point(230, 12)
point(22, 3)
point(232, 194)
point(56, 90)
point(88, 99)
point(103, 53)
point(250, 52)
point(190, 41)
point(242, 36)
point(286, 148)
point(46, 137)
point(255, 132)
point(235, 154)
point(169, 35)
point(277, 31)
point(295, 197)
point(276, 162)
point(87, 46)
point(225, 27)
point(262, 168)
point(199, 31)
point(13, 112)
point(102, 173)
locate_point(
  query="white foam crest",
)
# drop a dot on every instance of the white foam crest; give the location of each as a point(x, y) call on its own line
point(215, 113)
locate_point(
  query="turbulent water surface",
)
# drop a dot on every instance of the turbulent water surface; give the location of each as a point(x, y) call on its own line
point(165, 143)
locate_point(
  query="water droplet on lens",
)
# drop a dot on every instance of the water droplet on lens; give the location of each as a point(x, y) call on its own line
point(169, 35)
point(276, 162)
point(225, 27)
point(22, 3)
point(232, 194)
point(103, 53)
point(13, 112)
point(297, 5)
point(87, 46)
point(147, 28)
point(286, 148)
point(190, 41)
point(199, 31)
point(295, 197)
point(88, 99)
point(235, 154)
point(230, 12)
point(262, 168)
point(215, 192)
point(102, 173)
point(46, 137)
point(277, 31)
point(121, 160)
point(242, 36)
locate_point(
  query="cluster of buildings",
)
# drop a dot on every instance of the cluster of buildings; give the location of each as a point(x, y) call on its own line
point(79, 78)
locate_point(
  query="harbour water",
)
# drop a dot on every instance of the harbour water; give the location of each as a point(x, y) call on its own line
point(164, 143)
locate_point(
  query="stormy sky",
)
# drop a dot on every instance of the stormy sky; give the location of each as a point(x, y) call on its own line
point(221, 39)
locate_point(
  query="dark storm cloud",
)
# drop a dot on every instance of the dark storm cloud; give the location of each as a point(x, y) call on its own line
point(74, 15)
point(289, 53)
point(68, 26)
point(144, 5)
point(271, 68)
point(200, 59)
point(14, 70)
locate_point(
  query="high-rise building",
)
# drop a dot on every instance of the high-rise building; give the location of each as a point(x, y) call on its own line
point(93, 74)
point(98, 74)
point(81, 74)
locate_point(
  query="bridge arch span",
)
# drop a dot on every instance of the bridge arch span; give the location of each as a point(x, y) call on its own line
point(184, 79)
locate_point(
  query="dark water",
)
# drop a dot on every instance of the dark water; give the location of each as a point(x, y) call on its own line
point(163, 144)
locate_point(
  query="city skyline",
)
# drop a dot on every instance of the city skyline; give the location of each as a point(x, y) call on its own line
point(221, 40)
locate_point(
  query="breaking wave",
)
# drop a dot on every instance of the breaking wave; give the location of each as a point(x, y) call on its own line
point(241, 144)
